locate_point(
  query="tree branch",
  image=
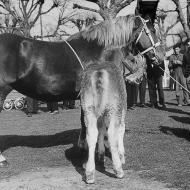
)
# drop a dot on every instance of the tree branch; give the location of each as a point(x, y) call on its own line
point(172, 25)
point(85, 8)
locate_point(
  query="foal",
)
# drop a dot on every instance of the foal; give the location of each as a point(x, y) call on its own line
point(103, 101)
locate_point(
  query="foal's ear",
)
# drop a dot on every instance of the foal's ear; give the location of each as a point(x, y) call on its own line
point(25, 48)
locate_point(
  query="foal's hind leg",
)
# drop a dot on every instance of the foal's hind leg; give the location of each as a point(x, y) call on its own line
point(113, 134)
point(91, 137)
point(82, 144)
point(121, 138)
point(100, 144)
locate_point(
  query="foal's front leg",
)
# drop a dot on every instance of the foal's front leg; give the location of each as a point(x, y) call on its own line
point(91, 137)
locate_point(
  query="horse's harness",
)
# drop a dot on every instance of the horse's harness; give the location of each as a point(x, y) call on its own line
point(144, 28)
point(148, 33)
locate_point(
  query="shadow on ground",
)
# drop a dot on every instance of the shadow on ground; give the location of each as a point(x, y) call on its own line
point(39, 141)
point(79, 157)
point(178, 132)
point(181, 119)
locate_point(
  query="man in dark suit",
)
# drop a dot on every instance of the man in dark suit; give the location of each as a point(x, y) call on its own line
point(154, 78)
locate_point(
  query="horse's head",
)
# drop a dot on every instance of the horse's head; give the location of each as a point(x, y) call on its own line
point(146, 42)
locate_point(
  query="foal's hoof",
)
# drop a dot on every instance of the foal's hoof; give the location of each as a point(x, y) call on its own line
point(4, 164)
point(119, 173)
point(90, 178)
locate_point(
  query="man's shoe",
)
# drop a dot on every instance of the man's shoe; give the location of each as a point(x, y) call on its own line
point(163, 106)
point(55, 112)
point(143, 106)
point(154, 106)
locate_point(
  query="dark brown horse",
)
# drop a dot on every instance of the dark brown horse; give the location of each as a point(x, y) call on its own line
point(51, 71)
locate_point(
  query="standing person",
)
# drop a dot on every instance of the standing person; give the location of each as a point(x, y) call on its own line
point(175, 64)
point(131, 88)
point(53, 107)
point(32, 106)
point(142, 91)
point(154, 78)
point(186, 66)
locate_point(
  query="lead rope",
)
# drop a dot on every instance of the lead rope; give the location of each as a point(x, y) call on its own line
point(75, 54)
point(175, 80)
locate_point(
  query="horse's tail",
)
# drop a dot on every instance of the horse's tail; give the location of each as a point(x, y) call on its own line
point(100, 86)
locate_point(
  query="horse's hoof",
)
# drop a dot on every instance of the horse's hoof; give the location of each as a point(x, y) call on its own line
point(4, 164)
point(90, 177)
point(119, 173)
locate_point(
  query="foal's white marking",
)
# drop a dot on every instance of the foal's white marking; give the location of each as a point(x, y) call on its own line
point(105, 94)
point(91, 137)
point(2, 158)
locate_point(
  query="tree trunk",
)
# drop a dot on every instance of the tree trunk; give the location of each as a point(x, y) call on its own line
point(182, 18)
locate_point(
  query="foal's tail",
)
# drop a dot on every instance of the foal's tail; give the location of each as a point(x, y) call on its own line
point(100, 90)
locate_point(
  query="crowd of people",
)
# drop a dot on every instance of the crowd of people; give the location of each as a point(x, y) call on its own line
point(179, 66)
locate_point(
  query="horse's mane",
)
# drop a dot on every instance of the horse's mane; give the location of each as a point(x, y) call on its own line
point(115, 32)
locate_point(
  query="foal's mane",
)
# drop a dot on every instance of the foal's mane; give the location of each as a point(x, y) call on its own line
point(117, 32)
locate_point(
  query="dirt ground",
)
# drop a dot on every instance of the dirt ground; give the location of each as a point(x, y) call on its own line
point(43, 155)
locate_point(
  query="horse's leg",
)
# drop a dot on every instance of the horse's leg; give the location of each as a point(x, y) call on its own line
point(4, 91)
point(91, 137)
point(113, 134)
point(82, 144)
point(121, 137)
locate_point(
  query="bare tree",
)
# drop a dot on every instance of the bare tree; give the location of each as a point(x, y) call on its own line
point(163, 28)
point(108, 9)
point(24, 16)
point(185, 25)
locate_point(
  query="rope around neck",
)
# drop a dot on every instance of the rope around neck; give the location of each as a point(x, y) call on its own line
point(75, 54)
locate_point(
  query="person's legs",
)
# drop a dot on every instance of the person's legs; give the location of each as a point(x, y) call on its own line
point(160, 91)
point(32, 106)
point(55, 108)
point(152, 92)
point(185, 95)
point(129, 94)
point(134, 95)
point(49, 107)
point(188, 83)
point(142, 91)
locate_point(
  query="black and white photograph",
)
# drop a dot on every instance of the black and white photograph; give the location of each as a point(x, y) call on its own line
point(95, 94)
